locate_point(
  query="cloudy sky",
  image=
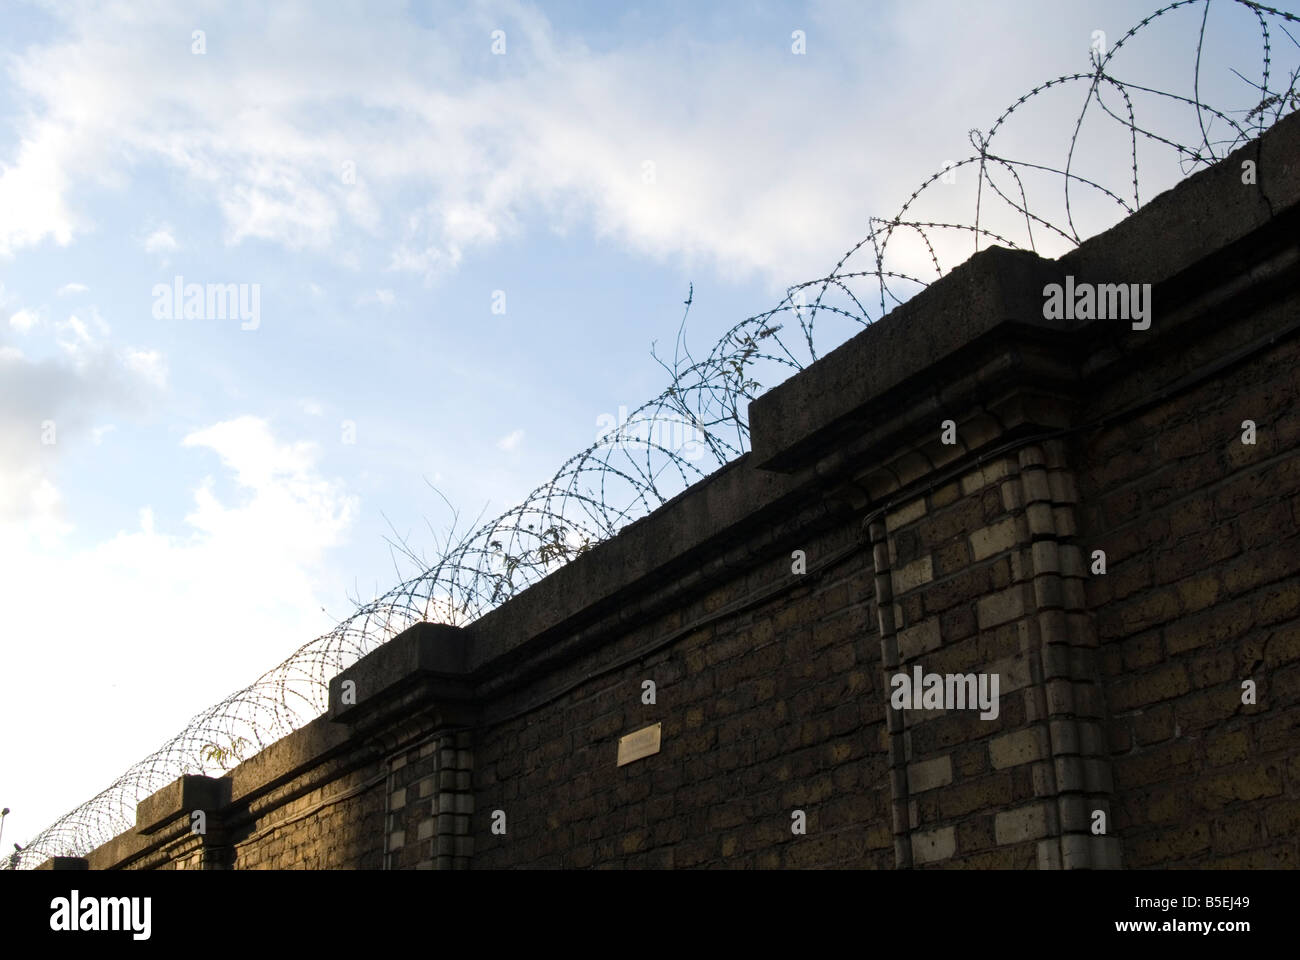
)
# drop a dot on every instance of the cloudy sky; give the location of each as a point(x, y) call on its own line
point(186, 499)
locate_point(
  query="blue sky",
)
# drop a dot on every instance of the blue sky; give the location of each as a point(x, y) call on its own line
point(213, 495)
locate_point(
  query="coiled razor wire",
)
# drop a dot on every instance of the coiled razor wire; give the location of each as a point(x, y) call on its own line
point(699, 422)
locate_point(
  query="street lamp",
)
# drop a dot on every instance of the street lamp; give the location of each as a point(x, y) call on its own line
point(3, 813)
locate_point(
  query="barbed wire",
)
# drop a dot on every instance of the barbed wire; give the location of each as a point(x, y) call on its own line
point(699, 422)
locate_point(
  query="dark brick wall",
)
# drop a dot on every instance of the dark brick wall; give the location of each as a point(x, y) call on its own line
point(335, 825)
point(1202, 539)
point(1121, 737)
point(775, 709)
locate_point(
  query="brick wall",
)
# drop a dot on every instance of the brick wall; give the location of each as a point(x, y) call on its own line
point(1201, 593)
point(935, 494)
point(769, 710)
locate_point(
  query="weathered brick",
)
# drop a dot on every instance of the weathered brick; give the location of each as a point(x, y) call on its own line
point(1278, 602)
point(945, 495)
point(1143, 650)
point(1282, 819)
point(990, 540)
point(1000, 607)
point(1234, 833)
point(1250, 783)
point(905, 514)
point(913, 575)
point(1173, 844)
point(1197, 593)
point(1194, 553)
point(1203, 709)
point(1155, 724)
point(984, 793)
point(1151, 686)
point(1022, 746)
point(933, 845)
point(1214, 625)
point(1168, 760)
point(1148, 610)
point(919, 640)
point(929, 774)
point(1022, 824)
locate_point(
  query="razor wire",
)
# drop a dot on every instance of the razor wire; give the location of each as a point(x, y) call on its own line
point(699, 422)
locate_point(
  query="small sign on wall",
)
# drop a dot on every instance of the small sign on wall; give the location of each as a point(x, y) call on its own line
point(639, 744)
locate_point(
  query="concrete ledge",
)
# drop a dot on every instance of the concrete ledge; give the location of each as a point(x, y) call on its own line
point(428, 651)
point(993, 287)
point(665, 543)
point(1163, 241)
point(178, 799)
point(161, 819)
point(304, 747)
point(1200, 216)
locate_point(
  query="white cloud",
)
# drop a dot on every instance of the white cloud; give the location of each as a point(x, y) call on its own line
point(70, 392)
point(46, 523)
point(75, 339)
point(510, 441)
point(428, 262)
point(33, 189)
point(71, 288)
point(24, 320)
point(98, 433)
point(760, 162)
point(160, 240)
point(234, 585)
point(148, 364)
point(311, 407)
point(312, 513)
